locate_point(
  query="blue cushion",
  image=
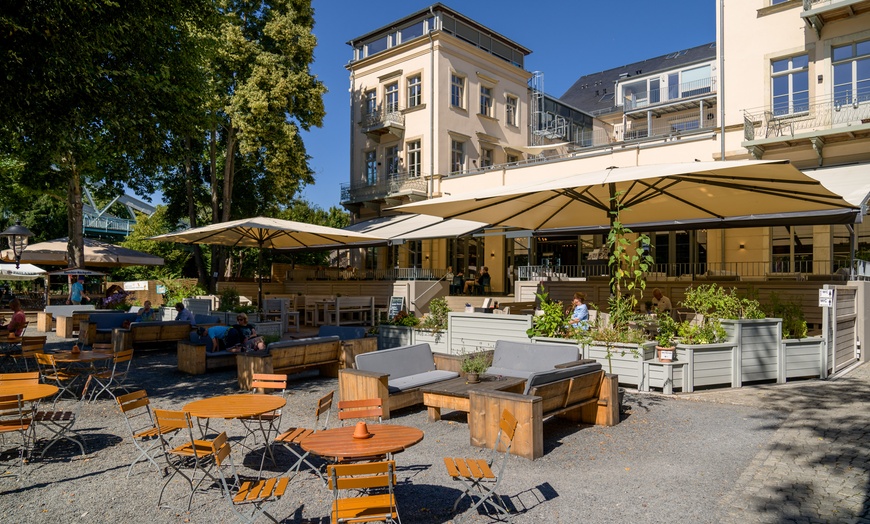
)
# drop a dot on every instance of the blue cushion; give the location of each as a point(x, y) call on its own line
point(206, 319)
point(203, 340)
point(342, 332)
point(110, 320)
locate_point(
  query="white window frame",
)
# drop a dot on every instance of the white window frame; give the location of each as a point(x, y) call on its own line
point(370, 102)
point(855, 94)
point(458, 156)
point(415, 90)
point(512, 110)
point(370, 167)
point(486, 100)
point(414, 156)
point(391, 97)
point(487, 157)
point(457, 90)
point(791, 72)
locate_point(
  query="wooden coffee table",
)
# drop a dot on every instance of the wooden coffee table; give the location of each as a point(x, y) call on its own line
point(339, 444)
point(453, 393)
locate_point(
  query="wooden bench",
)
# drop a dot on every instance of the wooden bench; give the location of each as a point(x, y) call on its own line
point(589, 399)
point(354, 310)
point(150, 335)
point(193, 359)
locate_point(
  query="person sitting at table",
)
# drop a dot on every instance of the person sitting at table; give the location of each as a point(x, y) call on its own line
point(250, 340)
point(457, 283)
point(184, 314)
point(16, 325)
point(580, 313)
point(661, 303)
point(146, 314)
point(482, 282)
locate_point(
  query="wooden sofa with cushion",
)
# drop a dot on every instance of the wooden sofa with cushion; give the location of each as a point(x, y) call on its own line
point(150, 335)
point(397, 375)
point(97, 327)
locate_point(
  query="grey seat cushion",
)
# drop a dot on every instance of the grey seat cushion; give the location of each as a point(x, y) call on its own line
point(398, 362)
point(418, 380)
point(540, 378)
point(521, 356)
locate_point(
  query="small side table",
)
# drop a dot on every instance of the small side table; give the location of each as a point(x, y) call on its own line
point(665, 375)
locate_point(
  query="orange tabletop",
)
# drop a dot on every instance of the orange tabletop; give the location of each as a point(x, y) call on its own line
point(339, 442)
point(28, 392)
point(68, 357)
point(234, 406)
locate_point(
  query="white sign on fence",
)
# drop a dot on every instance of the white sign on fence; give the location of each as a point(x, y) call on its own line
point(141, 285)
point(826, 297)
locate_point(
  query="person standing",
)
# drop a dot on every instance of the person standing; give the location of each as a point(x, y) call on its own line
point(77, 291)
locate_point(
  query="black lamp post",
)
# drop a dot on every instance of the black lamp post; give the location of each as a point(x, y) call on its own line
point(18, 237)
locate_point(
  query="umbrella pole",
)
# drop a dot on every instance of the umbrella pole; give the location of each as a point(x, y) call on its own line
point(260, 279)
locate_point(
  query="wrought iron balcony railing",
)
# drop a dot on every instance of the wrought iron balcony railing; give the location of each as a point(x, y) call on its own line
point(385, 116)
point(393, 184)
point(821, 114)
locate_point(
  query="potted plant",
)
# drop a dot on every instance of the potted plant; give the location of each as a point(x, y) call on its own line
point(474, 365)
point(552, 322)
point(665, 337)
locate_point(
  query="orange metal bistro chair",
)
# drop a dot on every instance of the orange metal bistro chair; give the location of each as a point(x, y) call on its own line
point(293, 436)
point(367, 508)
point(144, 431)
point(192, 456)
point(267, 423)
point(257, 494)
point(366, 408)
point(30, 346)
point(112, 379)
point(64, 380)
point(15, 419)
point(477, 474)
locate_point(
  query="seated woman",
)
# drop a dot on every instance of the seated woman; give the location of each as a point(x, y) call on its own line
point(146, 314)
point(16, 325)
point(250, 340)
point(580, 313)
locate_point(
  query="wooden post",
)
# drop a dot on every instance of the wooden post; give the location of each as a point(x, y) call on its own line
point(43, 321)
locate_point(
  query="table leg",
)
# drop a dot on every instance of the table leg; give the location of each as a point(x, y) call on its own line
point(434, 414)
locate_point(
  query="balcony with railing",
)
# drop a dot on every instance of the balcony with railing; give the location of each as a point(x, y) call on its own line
point(817, 13)
point(394, 185)
point(814, 122)
point(387, 119)
point(672, 99)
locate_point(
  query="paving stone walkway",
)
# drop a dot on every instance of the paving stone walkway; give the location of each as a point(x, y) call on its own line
point(816, 468)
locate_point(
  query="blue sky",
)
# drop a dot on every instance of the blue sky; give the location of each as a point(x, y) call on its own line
point(568, 39)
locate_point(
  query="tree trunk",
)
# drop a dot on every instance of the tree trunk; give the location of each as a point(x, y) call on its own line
point(201, 271)
point(215, 209)
point(76, 245)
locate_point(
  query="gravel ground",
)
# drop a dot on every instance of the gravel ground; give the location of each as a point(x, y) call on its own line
point(668, 459)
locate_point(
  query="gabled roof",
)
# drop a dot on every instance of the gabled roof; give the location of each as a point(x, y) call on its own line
point(594, 93)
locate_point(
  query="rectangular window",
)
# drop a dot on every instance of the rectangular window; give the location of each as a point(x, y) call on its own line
point(457, 91)
point(512, 159)
point(457, 156)
point(486, 156)
point(485, 100)
point(851, 73)
point(391, 160)
point(790, 81)
point(414, 157)
point(371, 168)
point(415, 91)
point(511, 105)
point(391, 97)
point(371, 102)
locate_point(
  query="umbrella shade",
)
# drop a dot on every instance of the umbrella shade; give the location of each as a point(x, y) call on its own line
point(76, 272)
point(666, 193)
point(24, 272)
point(54, 252)
point(266, 232)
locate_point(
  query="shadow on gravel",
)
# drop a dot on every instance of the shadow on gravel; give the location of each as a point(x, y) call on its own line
point(43, 485)
point(834, 424)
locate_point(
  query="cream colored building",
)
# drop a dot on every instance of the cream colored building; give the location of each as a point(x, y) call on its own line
point(443, 105)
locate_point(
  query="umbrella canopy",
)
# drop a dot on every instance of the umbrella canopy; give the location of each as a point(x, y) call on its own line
point(695, 192)
point(53, 252)
point(76, 272)
point(23, 272)
point(266, 232)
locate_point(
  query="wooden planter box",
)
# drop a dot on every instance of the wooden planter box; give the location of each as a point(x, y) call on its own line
point(708, 365)
point(567, 341)
point(627, 360)
point(801, 358)
point(473, 332)
point(439, 342)
point(758, 348)
point(394, 336)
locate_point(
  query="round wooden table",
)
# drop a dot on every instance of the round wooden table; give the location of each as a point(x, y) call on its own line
point(234, 406)
point(340, 444)
point(28, 392)
point(82, 357)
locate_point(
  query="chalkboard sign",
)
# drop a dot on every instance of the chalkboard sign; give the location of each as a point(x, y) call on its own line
point(397, 304)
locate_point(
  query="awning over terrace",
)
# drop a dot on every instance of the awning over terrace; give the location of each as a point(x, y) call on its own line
point(401, 228)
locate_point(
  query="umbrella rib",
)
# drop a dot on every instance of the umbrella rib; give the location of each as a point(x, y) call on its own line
point(702, 177)
point(585, 197)
point(509, 217)
point(791, 193)
point(637, 199)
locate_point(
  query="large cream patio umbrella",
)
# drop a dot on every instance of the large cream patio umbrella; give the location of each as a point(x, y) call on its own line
point(264, 232)
point(693, 193)
point(102, 254)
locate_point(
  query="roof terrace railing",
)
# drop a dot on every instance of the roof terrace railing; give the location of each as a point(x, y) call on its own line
point(819, 114)
point(680, 92)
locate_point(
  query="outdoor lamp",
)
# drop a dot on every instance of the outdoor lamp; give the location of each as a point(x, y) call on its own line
point(18, 236)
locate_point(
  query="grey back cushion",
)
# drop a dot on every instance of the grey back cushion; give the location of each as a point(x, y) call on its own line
point(398, 362)
point(540, 378)
point(532, 357)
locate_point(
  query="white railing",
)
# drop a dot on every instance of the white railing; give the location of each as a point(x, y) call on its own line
point(655, 97)
point(823, 113)
point(399, 273)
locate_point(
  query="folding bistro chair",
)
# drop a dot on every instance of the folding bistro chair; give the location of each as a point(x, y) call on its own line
point(194, 454)
point(60, 423)
point(15, 419)
point(477, 474)
point(293, 436)
point(140, 421)
point(267, 423)
point(111, 379)
point(63, 379)
point(28, 377)
point(259, 494)
point(367, 508)
point(366, 408)
point(10, 347)
point(30, 346)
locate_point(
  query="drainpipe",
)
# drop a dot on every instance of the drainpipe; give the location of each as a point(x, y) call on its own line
point(721, 50)
point(432, 80)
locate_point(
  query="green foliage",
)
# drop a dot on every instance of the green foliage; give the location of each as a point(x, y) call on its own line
point(229, 299)
point(180, 288)
point(403, 318)
point(794, 324)
point(476, 362)
point(176, 257)
point(629, 261)
point(666, 330)
point(553, 322)
point(712, 300)
point(708, 332)
point(436, 320)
